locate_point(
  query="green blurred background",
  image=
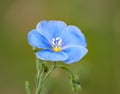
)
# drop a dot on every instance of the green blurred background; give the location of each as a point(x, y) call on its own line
point(99, 20)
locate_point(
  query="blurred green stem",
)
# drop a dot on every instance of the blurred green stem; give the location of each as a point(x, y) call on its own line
point(74, 79)
point(42, 74)
point(27, 87)
point(50, 71)
point(66, 69)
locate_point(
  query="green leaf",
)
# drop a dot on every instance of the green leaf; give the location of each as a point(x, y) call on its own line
point(27, 87)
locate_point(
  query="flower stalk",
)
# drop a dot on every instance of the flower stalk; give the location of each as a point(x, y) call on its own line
point(39, 76)
point(27, 87)
point(74, 79)
point(42, 74)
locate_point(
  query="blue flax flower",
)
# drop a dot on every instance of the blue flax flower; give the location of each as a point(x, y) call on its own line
point(58, 41)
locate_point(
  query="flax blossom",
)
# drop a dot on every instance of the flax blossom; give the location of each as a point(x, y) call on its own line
point(58, 41)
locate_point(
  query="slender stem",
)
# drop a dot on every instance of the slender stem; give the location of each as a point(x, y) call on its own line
point(40, 72)
point(60, 66)
point(50, 71)
point(66, 69)
point(41, 77)
point(27, 87)
point(38, 65)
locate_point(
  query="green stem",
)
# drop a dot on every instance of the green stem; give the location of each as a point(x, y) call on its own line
point(27, 87)
point(66, 69)
point(50, 71)
point(40, 74)
point(74, 79)
point(41, 77)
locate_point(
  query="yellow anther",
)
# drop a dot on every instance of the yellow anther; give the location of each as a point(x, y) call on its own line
point(56, 49)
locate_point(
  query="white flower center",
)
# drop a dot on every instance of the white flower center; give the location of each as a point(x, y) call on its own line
point(56, 44)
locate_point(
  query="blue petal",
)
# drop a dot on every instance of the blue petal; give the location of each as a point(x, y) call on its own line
point(75, 53)
point(50, 29)
point(73, 36)
point(37, 40)
point(52, 56)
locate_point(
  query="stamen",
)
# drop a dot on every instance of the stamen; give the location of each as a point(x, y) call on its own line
point(56, 44)
point(60, 42)
point(53, 42)
point(57, 38)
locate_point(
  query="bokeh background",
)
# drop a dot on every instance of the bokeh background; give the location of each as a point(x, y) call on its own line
point(99, 20)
